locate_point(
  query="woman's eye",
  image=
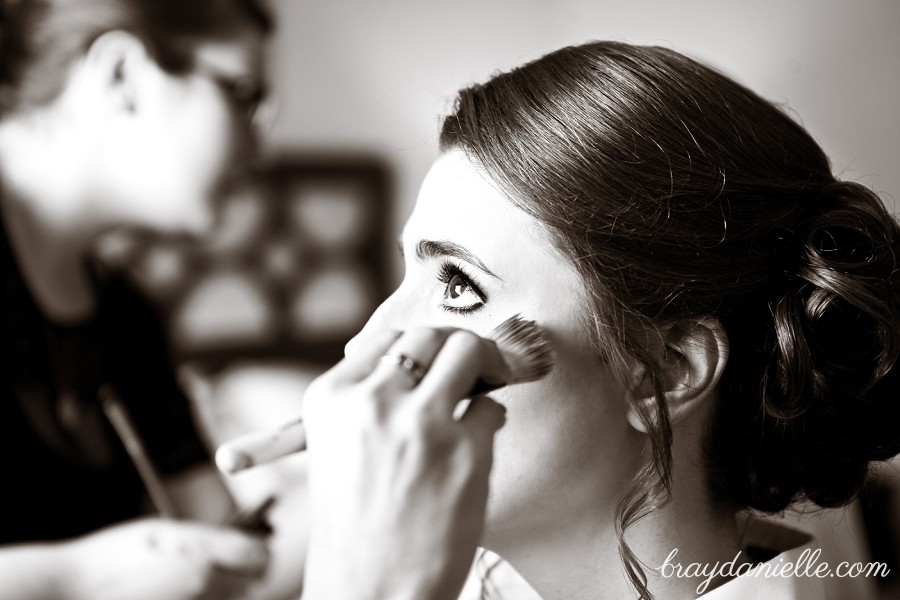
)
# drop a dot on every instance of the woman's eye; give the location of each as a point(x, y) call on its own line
point(460, 294)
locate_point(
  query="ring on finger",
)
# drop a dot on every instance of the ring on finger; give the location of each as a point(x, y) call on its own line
point(410, 365)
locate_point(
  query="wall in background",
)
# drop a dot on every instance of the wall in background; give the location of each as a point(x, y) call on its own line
point(375, 76)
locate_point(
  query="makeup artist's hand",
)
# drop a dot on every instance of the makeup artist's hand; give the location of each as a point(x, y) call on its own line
point(151, 559)
point(397, 487)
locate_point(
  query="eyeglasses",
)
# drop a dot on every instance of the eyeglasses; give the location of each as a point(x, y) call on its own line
point(246, 93)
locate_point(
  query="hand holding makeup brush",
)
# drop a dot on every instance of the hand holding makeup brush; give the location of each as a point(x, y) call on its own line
point(520, 342)
point(398, 484)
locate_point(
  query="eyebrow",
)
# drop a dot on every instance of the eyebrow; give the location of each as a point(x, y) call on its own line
point(437, 248)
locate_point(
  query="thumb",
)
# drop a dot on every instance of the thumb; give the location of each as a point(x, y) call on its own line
point(484, 414)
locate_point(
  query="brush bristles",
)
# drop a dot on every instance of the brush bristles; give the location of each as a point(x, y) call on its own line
point(525, 349)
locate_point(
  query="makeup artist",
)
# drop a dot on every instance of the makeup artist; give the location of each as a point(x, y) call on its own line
point(113, 113)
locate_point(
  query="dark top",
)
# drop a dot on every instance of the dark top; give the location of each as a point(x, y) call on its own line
point(65, 472)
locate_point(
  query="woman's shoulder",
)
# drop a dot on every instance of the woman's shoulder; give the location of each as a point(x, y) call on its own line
point(492, 578)
point(806, 550)
point(788, 575)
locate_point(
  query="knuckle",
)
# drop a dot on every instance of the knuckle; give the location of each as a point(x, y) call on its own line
point(324, 394)
point(386, 336)
point(427, 335)
point(465, 341)
point(317, 391)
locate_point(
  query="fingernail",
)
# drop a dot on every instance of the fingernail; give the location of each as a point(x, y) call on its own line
point(231, 461)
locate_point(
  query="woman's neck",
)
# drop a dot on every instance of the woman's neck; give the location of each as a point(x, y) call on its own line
point(52, 264)
point(578, 557)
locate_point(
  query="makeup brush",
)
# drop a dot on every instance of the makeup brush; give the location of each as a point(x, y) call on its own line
point(521, 343)
point(524, 349)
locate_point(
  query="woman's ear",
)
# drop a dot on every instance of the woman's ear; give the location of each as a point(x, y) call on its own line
point(116, 67)
point(692, 357)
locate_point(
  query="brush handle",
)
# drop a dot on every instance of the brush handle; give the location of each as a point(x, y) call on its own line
point(261, 447)
point(124, 427)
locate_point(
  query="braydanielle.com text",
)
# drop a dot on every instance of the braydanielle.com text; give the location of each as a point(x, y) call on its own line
point(807, 565)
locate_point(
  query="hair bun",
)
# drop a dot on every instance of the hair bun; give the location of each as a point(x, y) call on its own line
point(848, 254)
point(831, 386)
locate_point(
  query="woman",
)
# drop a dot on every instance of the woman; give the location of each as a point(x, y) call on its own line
point(725, 315)
point(113, 113)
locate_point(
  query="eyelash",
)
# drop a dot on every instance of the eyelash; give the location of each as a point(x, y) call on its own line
point(446, 274)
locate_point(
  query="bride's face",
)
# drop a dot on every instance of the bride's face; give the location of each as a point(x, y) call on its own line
point(472, 260)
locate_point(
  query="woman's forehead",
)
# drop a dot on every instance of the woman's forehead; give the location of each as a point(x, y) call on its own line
point(460, 204)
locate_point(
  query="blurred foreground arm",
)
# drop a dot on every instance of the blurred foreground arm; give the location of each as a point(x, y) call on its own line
point(143, 560)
